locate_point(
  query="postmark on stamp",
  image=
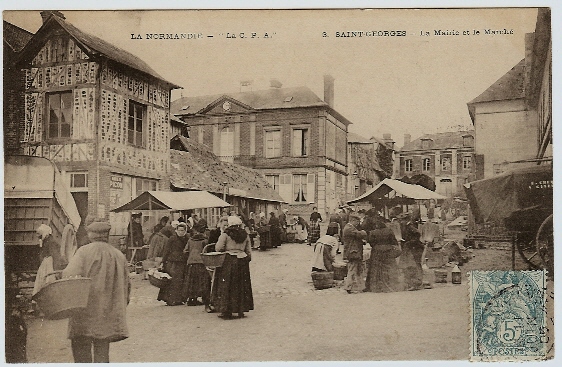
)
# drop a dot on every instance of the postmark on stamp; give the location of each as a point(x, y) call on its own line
point(508, 318)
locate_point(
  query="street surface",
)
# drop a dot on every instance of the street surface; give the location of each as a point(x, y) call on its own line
point(291, 321)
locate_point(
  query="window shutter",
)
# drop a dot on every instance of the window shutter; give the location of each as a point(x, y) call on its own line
point(310, 188)
point(286, 187)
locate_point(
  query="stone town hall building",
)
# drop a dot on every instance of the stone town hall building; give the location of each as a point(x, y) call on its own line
point(297, 140)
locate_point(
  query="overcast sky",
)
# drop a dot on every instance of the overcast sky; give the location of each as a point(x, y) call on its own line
point(413, 84)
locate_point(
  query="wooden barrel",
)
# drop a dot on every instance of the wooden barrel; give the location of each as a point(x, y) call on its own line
point(322, 279)
point(340, 271)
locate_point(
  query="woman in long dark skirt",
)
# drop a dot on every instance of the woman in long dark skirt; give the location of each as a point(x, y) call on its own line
point(275, 230)
point(383, 274)
point(174, 263)
point(232, 289)
point(197, 280)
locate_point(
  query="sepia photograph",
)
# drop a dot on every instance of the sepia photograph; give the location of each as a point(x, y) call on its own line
point(269, 185)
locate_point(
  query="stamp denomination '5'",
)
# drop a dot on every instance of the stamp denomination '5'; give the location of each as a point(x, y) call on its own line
point(508, 315)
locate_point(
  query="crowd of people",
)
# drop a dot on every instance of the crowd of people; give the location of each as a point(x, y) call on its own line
point(395, 261)
point(181, 258)
point(176, 248)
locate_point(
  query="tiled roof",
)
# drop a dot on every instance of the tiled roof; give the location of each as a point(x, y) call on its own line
point(439, 141)
point(273, 98)
point(199, 169)
point(509, 86)
point(98, 45)
point(258, 100)
point(15, 37)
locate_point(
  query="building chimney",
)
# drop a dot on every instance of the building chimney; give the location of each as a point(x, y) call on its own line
point(45, 14)
point(274, 83)
point(329, 90)
point(407, 139)
point(387, 138)
point(246, 85)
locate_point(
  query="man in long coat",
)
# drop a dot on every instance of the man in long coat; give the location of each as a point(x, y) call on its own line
point(104, 319)
point(354, 240)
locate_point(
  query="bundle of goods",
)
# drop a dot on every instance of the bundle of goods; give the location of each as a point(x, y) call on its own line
point(158, 279)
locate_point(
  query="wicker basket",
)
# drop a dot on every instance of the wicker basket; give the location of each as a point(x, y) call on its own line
point(340, 271)
point(322, 279)
point(158, 282)
point(62, 298)
point(213, 259)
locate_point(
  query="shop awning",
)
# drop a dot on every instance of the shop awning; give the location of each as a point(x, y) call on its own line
point(401, 190)
point(166, 200)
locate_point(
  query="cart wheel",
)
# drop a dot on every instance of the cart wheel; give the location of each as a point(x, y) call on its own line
point(545, 244)
point(528, 251)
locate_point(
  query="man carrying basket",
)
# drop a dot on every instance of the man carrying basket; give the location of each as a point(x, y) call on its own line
point(104, 319)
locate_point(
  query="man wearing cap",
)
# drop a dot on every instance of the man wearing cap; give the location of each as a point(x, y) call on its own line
point(353, 248)
point(104, 319)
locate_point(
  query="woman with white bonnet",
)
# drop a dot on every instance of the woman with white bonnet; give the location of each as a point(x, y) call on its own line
point(232, 292)
point(51, 257)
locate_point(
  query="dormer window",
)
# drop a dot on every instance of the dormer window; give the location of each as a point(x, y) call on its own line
point(426, 143)
point(468, 141)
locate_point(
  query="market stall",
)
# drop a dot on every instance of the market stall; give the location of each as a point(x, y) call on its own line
point(389, 193)
point(171, 201)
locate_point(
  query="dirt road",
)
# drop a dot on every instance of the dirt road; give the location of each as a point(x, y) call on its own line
point(291, 321)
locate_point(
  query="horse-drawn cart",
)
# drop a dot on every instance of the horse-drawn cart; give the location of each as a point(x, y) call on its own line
point(522, 199)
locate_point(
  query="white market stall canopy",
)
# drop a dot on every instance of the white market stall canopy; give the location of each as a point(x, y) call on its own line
point(402, 189)
point(167, 200)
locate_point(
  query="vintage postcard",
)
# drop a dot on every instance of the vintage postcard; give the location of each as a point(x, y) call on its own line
point(278, 185)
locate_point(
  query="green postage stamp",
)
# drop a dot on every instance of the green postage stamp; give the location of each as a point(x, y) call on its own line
point(508, 320)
